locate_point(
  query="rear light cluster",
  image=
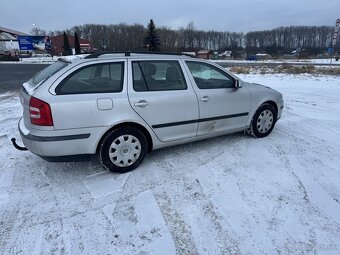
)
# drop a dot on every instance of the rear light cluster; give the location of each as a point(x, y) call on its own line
point(40, 112)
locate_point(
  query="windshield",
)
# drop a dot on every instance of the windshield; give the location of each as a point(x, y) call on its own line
point(46, 73)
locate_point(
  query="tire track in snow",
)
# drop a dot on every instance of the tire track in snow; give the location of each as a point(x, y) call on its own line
point(181, 232)
point(300, 163)
point(125, 201)
point(172, 201)
point(310, 193)
point(8, 220)
point(139, 226)
point(9, 209)
point(56, 238)
point(284, 159)
point(105, 183)
point(274, 191)
point(316, 150)
point(229, 185)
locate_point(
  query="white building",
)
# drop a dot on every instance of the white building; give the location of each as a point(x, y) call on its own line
point(9, 41)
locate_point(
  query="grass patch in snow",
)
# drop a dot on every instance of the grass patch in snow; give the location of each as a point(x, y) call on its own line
point(287, 69)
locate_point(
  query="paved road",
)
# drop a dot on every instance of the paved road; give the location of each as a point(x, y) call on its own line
point(12, 76)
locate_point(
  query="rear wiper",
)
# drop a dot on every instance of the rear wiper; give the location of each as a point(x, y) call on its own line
point(24, 89)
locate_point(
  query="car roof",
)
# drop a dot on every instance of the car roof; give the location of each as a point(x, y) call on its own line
point(113, 55)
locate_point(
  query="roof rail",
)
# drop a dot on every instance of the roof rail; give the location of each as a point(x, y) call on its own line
point(128, 53)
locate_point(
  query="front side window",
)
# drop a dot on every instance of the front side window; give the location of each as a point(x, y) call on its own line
point(209, 77)
point(157, 75)
point(98, 78)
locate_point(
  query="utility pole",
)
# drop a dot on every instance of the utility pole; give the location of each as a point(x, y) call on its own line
point(335, 37)
point(104, 38)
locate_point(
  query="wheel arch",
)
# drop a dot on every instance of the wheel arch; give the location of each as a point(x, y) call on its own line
point(254, 130)
point(129, 124)
point(272, 103)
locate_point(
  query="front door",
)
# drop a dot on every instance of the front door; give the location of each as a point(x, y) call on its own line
point(222, 106)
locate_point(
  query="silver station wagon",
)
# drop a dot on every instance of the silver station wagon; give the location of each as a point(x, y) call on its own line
point(120, 106)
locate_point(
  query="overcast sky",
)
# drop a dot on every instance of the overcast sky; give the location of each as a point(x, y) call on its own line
point(220, 15)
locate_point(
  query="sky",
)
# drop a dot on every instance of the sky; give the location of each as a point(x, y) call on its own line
point(219, 15)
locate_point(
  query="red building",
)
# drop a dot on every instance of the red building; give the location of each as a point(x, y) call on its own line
point(205, 54)
point(58, 44)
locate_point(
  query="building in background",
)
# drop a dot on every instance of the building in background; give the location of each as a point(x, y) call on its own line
point(58, 44)
point(13, 43)
point(205, 54)
point(9, 41)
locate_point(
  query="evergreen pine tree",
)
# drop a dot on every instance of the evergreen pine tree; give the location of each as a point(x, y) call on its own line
point(76, 43)
point(151, 40)
point(67, 48)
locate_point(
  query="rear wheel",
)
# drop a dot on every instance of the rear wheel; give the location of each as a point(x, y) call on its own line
point(123, 149)
point(263, 121)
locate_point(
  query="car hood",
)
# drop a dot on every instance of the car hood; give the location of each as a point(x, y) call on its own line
point(256, 88)
point(260, 86)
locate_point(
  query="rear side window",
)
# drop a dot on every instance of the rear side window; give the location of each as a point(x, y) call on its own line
point(157, 75)
point(97, 78)
point(40, 77)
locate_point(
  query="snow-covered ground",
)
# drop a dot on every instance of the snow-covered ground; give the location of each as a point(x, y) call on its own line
point(229, 195)
point(325, 61)
point(40, 60)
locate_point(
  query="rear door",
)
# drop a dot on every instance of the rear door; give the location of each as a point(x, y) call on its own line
point(159, 93)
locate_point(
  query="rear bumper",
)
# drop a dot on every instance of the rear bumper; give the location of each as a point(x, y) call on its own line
point(55, 144)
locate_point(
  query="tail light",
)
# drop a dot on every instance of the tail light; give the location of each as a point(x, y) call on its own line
point(40, 112)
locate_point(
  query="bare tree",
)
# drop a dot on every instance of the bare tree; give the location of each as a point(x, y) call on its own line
point(37, 31)
point(312, 39)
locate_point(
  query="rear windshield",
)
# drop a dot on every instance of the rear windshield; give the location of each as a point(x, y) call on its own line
point(46, 73)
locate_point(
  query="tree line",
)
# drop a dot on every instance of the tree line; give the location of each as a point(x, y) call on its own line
point(282, 40)
point(312, 39)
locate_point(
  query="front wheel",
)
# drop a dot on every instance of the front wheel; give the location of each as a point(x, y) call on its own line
point(123, 149)
point(263, 121)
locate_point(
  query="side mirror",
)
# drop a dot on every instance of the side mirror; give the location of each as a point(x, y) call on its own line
point(237, 84)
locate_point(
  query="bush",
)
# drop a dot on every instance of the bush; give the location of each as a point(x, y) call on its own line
point(287, 69)
point(240, 69)
point(8, 58)
point(290, 69)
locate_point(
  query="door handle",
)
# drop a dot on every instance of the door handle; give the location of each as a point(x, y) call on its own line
point(205, 99)
point(142, 104)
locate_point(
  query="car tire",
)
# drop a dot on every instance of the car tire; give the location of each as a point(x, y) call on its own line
point(123, 149)
point(263, 121)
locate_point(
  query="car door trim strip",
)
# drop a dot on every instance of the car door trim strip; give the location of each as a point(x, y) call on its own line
point(171, 124)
